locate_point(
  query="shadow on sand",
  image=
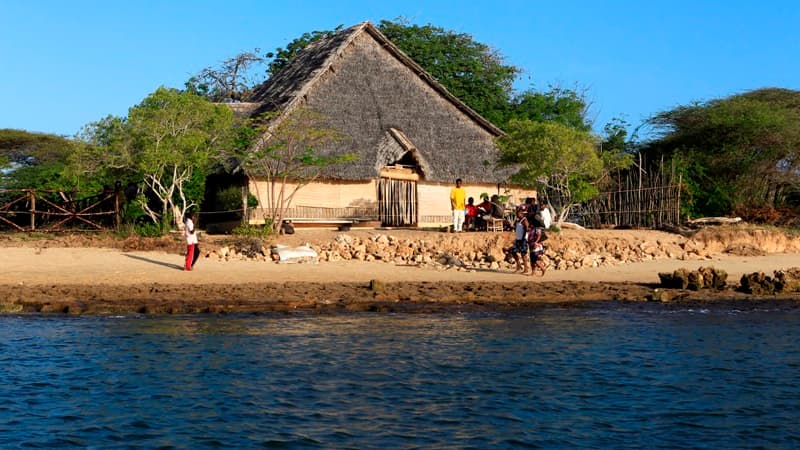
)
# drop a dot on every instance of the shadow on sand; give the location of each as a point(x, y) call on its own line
point(153, 261)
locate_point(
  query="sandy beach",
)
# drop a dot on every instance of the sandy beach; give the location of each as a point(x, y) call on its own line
point(82, 280)
point(110, 267)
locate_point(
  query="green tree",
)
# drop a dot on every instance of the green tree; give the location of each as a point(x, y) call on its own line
point(616, 150)
point(103, 151)
point(733, 152)
point(556, 159)
point(171, 139)
point(286, 154)
point(472, 71)
point(565, 106)
point(34, 160)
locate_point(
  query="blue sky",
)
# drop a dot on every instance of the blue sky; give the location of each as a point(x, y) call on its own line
point(68, 63)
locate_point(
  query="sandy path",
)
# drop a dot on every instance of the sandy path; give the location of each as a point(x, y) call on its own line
point(25, 265)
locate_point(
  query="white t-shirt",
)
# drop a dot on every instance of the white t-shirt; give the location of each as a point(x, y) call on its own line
point(546, 218)
point(189, 233)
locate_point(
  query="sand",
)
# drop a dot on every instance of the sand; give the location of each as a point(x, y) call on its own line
point(100, 280)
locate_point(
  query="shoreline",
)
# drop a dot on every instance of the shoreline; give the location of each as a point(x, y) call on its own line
point(333, 298)
point(96, 280)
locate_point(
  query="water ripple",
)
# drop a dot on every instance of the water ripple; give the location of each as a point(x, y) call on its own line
point(639, 377)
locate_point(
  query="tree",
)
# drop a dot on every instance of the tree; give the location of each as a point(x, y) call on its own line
point(34, 160)
point(556, 159)
point(616, 150)
point(565, 106)
point(733, 152)
point(233, 80)
point(472, 71)
point(286, 154)
point(170, 138)
point(103, 151)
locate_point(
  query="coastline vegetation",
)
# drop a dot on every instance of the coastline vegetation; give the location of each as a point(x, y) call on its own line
point(738, 155)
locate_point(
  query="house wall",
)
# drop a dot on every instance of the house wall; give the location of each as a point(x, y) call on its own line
point(340, 198)
point(434, 199)
point(337, 199)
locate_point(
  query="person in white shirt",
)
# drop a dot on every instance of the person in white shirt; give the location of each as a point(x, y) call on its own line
point(192, 250)
point(547, 219)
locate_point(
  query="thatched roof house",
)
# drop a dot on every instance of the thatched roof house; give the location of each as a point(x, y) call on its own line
point(400, 122)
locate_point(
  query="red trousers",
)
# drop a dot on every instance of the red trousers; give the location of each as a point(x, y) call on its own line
point(190, 259)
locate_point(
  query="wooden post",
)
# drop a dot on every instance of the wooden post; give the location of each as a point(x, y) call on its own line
point(678, 213)
point(245, 211)
point(32, 195)
point(117, 219)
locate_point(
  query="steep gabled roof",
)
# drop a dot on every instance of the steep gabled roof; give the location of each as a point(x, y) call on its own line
point(286, 89)
point(386, 105)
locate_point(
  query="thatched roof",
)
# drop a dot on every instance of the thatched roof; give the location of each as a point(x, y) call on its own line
point(387, 105)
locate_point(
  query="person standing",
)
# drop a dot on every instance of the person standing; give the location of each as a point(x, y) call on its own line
point(544, 210)
point(520, 249)
point(458, 198)
point(192, 250)
point(536, 239)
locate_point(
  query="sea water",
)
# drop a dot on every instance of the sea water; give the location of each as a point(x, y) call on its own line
point(599, 377)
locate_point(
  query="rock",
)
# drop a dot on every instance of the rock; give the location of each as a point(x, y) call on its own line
point(787, 280)
point(377, 286)
point(696, 281)
point(661, 295)
point(757, 283)
point(713, 278)
point(678, 279)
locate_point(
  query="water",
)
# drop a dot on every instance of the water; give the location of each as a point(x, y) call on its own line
point(622, 377)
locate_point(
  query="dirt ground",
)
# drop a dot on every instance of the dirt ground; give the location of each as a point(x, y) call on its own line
point(96, 275)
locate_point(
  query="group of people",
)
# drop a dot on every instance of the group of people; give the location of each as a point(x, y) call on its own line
point(469, 216)
point(531, 219)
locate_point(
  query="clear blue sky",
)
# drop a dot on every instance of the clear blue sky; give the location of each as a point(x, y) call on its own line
point(66, 63)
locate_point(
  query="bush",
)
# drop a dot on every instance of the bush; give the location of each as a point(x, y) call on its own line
point(768, 215)
point(148, 230)
point(256, 231)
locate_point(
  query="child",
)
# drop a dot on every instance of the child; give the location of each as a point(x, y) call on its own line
point(536, 247)
point(520, 249)
point(471, 214)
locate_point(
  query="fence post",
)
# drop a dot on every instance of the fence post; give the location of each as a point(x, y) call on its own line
point(117, 218)
point(32, 195)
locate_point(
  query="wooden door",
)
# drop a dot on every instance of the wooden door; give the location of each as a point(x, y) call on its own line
point(397, 202)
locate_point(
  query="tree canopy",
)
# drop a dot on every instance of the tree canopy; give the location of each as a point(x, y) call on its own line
point(562, 162)
point(565, 106)
point(472, 71)
point(232, 80)
point(284, 153)
point(171, 139)
point(736, 151)
point(34, 160)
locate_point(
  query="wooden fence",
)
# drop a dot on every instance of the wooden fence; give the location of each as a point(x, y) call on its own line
point(642, 200)
point(318, 213)
point(47, 211)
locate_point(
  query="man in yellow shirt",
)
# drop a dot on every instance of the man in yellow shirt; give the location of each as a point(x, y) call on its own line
point(458, 197)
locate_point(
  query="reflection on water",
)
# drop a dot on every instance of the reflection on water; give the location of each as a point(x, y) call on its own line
point(591, 378)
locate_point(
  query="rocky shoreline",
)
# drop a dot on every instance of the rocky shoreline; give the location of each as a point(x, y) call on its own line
point(469, 265)
point(326, 298)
